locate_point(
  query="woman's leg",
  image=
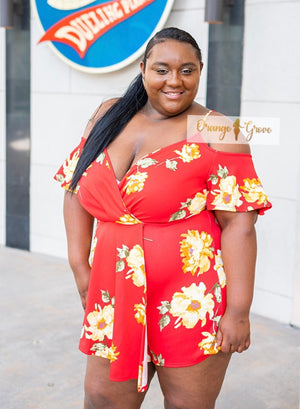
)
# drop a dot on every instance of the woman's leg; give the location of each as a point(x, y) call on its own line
point(101, 393)
point(194, 387)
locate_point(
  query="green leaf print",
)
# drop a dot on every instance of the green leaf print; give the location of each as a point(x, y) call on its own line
point(158, 359)
point(98, 347)
point(171, 164)
point(177, 215)
point(164, 321)
point(164, 308)
point(218, 293)
point(123, 252)
point(186, 204)
point(60, 178)
point(100, 158)
point(214, 179)
point(217, 319)
point(145, 163)
point(120, 265)
point(105, 296)
point(222, 172)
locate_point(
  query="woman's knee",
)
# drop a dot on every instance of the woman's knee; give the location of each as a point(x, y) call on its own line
point(177, 402)
point(171, 403)
point(115, 395)
point(96, 398)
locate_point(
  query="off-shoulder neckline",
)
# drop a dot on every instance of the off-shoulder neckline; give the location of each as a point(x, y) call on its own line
point(169, 146)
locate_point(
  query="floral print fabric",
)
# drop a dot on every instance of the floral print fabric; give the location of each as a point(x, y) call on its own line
point(158, 285)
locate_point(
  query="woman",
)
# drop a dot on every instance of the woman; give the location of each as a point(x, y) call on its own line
point(157, 297)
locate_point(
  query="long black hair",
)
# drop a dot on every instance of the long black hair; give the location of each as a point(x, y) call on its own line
point(108, 127)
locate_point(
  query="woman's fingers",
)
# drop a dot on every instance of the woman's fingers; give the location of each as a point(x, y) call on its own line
point(219, 338)
point(233, 335)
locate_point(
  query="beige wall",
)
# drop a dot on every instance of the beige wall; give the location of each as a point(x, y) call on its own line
point(271, 88)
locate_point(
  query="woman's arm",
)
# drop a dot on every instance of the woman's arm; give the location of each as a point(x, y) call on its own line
point(79, 229)
point(238, 247)
point(79, 223)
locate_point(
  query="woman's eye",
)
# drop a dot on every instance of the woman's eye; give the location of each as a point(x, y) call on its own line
point(187, 71)
point(162, 71)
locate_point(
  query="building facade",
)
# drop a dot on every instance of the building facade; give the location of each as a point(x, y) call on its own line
point(45, 105)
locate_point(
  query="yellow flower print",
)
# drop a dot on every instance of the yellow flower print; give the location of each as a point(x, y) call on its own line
point(228, 196)
point(196, 251)
point(191, 305)
point(106, 352)
point(135, 182)
point(100, 158)
point(158, 360)
point(140, 314)
point(136, 262)
point(198, 202)
point(189, 153)
point(69, 166)
point(127, 219)
point(92, 252)
point(254, 191)
point(142, 385)
point(140, 371)
point(59, 177)
point(219, 267)
point(208, 344)
point(194, 206)
point(101, 323)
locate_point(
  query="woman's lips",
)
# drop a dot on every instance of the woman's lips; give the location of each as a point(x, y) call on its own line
point(173, 94)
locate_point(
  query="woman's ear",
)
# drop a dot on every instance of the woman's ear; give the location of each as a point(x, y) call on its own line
point(201, 66)
point(142, 67)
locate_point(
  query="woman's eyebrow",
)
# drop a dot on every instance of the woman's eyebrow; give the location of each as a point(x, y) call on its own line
point(160, 63)
point(189, 64)
point(167, 65)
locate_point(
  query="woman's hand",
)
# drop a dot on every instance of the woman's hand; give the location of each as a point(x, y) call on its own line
point(79, 229)
point(233, 334)
point(82, 278)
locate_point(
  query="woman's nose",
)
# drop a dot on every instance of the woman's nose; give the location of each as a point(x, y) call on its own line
point(174, 78)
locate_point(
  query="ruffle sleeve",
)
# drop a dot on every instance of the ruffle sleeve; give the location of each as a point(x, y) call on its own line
point(65, 172)
point(233, 184)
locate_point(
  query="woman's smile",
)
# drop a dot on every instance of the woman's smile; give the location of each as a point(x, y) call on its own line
point(173, 94)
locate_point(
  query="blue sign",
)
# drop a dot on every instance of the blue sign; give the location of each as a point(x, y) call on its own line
point(100, 36)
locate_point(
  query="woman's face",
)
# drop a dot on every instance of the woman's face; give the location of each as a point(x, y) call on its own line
point(171, 77)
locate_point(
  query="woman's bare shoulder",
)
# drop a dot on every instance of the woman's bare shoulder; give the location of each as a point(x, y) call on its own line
point(103, 108)
point(198, 109)
point(98, 113)
point(222, 134)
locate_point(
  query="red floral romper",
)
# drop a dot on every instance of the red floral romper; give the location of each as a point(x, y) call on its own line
point(158, 287)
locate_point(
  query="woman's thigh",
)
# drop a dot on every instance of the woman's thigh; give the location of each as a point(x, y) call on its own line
point(102, 393)
point(194, 387)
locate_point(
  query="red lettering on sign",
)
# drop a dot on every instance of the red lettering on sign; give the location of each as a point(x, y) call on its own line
point(81, 29)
